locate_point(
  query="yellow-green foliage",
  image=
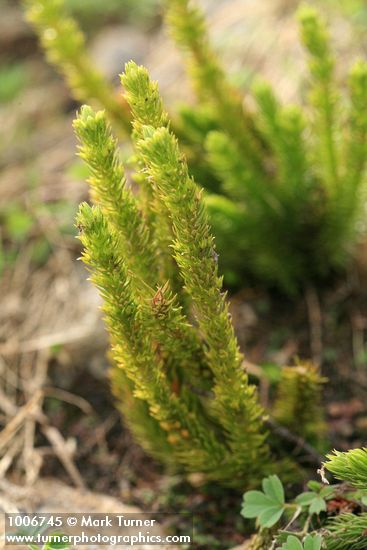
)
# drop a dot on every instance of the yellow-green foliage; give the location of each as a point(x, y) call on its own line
point(185, 372)
point(289, 180)
point(350, 466)
point(295, 173)
point(348, 531)
point(178, 374)
point(298, 402)
point(147, 109)
point(65, 46)
point(188, 28)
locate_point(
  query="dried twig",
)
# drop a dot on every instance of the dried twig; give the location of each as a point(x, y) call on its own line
point(18, 420)
point(62, 452)
point(313, 455)
point(6, 404)
point(71, 398)
point(9, 456)
point(46, 341)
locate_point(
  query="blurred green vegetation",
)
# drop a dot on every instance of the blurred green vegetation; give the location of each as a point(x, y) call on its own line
point(23, 228)
point(13, 80)
point(16, 78)
point(24, 215)
point(357, 9)
point(97, 12)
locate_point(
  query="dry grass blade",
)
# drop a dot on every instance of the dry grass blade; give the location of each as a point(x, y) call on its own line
point(30, 408)
point(61, 451)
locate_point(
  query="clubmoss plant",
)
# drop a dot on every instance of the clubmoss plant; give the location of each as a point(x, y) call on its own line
point(178, 373)
point(65, 47)
point(350, 466)
point(189, 377)
point(298, 402)
point(188, 28)
point(147, 109)
point(294, 176)
point(285, 183)
point(348, 531)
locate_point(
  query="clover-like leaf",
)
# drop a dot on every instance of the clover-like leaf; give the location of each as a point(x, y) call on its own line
point(273, 488)
point(292, 543)
point(311, 542)
point(305, 499)
point(328, 492)
point(313, 501)
point(315, 486)
point(267, 506)
point(316, 499)
point(317, 506)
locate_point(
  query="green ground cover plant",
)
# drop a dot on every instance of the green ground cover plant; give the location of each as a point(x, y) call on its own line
point(93, 10)
point(285, 184)
point(326, 516)
point(178, 373)
point(283, 201)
